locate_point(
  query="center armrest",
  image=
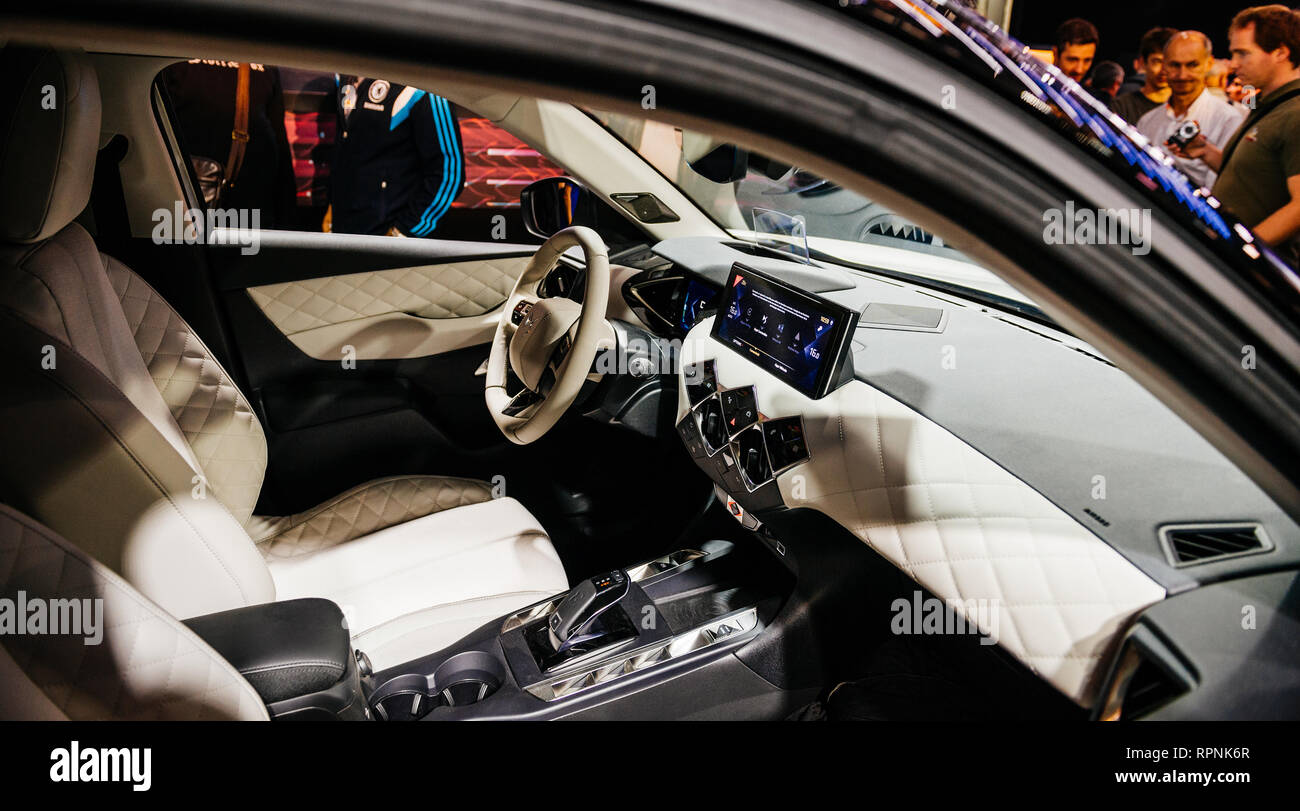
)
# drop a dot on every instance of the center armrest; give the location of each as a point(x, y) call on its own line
point(284, 649)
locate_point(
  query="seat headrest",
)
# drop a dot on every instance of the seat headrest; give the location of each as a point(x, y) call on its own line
point(49, 123)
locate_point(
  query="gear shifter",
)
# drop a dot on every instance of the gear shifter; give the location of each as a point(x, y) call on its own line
point(572, 619)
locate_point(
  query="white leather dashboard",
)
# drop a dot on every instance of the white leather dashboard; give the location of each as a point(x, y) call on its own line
point(960, 525)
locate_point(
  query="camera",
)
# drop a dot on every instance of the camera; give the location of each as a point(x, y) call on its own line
point(1184, 135)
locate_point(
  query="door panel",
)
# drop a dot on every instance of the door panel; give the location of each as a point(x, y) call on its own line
point(420, 315)
point(358, 351)
point(389, 314)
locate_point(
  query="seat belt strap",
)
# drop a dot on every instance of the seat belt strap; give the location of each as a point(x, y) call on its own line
point(239, 134)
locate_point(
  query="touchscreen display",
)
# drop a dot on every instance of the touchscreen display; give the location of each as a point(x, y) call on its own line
point(792, 334)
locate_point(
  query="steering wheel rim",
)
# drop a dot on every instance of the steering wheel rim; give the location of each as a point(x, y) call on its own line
point(543, 331)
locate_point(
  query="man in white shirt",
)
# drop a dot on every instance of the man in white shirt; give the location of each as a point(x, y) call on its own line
point(1188, 57)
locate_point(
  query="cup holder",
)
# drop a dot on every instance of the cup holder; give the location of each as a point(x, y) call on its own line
point(464, 679)
point(467, 678)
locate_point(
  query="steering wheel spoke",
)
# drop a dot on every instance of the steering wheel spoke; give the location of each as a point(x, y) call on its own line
point(560, 353)
point(521, 402)
point(555, 364)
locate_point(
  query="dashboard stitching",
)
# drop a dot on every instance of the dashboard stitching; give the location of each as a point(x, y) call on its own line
point(889, 502)
point(979, 522)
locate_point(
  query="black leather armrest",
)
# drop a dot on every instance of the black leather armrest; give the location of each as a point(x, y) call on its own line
point(284, 649)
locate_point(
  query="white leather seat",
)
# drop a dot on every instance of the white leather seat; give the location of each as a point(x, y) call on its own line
point(407, 596)
point(121, 431)
point(144, 666)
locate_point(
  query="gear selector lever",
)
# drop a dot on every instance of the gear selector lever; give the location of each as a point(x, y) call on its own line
point(576, 613)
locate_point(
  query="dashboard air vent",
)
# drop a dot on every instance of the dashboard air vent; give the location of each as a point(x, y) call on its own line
point(1189, 544)
point(895, 227)
point(1147, 676)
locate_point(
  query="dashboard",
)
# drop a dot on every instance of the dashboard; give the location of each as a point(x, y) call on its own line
point(988, 456)
point(1036, 401)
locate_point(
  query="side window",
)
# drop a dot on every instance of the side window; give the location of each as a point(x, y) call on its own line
point(346, 154)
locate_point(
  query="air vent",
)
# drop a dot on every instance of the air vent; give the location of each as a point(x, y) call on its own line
point(1191, 544)
point(895, 227)
point(1150, 689)
point(1147, 675)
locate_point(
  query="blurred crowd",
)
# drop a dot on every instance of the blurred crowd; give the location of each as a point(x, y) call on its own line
point(1231, 123)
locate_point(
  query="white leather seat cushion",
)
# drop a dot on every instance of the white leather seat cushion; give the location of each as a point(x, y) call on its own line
point(147, 665)
point(361, 511)
point(415, 588)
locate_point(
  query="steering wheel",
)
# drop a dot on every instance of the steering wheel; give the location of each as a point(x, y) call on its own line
point(549, 343)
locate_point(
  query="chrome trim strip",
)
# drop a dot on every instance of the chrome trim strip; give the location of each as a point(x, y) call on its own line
point(732, 626)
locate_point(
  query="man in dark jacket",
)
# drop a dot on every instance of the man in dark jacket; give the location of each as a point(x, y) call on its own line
point(398, 164)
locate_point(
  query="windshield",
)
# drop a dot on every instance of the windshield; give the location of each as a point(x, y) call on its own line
point(841, 226)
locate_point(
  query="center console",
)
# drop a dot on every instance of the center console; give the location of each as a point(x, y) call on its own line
point(652, 641)
point(722, 630)
point(798, 342)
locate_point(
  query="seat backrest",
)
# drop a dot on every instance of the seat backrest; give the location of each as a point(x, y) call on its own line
point(100, 650)
point(118, 428)
point(218, 424)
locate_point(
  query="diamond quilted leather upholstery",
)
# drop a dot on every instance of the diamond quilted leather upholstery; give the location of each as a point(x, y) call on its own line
point(418, 586)
point(216, 420)
point(113, 410)
point(364, 509)
point(969, 531)
point(454, 290)
point(148, 665)
point(960, 525)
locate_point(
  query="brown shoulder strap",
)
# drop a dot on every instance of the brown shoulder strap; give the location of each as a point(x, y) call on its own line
point(1250, 121)
point(239, 134)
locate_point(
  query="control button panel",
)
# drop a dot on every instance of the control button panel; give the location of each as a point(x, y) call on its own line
point(752, 457)
point(701, 381)
point(520, 311)
point(732, 481)
point(614, 579)
point(690, 433)
point(713, 425)
point(786, 446)
point(739, 408)
point(741, 450)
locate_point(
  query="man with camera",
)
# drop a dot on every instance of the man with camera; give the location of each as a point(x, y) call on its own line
point(1259, 166)
point(1191, 112)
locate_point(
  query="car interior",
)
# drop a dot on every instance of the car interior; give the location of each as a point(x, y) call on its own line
point(369, 478)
